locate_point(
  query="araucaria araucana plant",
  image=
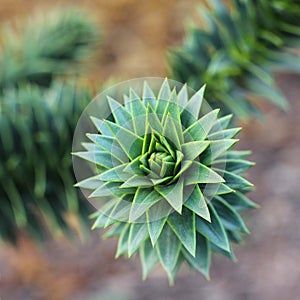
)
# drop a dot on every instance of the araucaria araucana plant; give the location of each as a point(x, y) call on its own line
point(238, 50)
point(172, 185)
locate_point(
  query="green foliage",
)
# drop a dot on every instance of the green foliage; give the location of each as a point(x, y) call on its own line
point(36, 177)
point(237, 52)
point(38, 116)
point(49, 46)
point(161, 171)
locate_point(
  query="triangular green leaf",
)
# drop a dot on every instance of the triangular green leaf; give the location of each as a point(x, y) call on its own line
point(155, 228)
point(229, 254)
point(137, 181)
point(235, 166)
point(213, 189)
point(173, 194)
point(137, 234)
point(199, 173)
point(120, 113)
point(123, 241)
point(235, 181)
point(224, 134)
point(100, 158)
point(175, 270)
point(165, 91)
point(153, 121)
point(239, 201)
point(222, 123)
point(130, 142)
point(201, 261)
point(101, 126)
point(120, 212)
point(149, 258)
point(90, 183)
point(171, 133)
point(168, 249)
point(103, 214)
point(143, 199)
point(193, 149)
point(184, 227)
point(182, 97)
point(148, 96)
point(138, 116)
point(196, 203)
point(213, 231)
point(110, 189)
point(115, 230)
point(231, 220)
point(200, 129)
point(193, 106)
point(115, 174)
point(216, 149)
point(109, 144)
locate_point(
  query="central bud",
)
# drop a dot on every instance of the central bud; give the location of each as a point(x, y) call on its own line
point(162, 164)
point(160, 160)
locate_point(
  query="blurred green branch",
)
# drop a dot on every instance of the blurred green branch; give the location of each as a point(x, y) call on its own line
point(38, 115)
point(47, 47)
point(237, 52)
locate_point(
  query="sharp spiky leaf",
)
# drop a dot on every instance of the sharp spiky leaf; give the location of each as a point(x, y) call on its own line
point(213, 231)
point(137, 234)
point(168, 249)
point(149, 258)
point(197, 204)
point(201, 260)
point(184, 227)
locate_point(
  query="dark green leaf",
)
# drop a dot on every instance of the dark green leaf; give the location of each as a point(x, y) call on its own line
point(197, 203)
point(213, 231)
point(185, 228)
point(199, 173)
point(168, 249)
point(201, 261)
point(173, 194)
point(238, 201)
point(137, 234)
point(229, 217)
point(123, 241)
point(149, 258)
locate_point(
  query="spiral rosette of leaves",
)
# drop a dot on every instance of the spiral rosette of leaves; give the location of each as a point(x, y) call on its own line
point(238, 50)
point(171, 183)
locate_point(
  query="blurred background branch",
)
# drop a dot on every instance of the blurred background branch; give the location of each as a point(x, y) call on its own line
point(237, 52)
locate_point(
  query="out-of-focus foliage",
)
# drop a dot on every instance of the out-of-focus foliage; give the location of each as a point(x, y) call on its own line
point(36, 178)
point(38, 116)
point(53, 45)
point(238, 50)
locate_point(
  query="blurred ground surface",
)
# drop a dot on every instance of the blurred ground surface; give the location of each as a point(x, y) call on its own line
point(136, 34)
